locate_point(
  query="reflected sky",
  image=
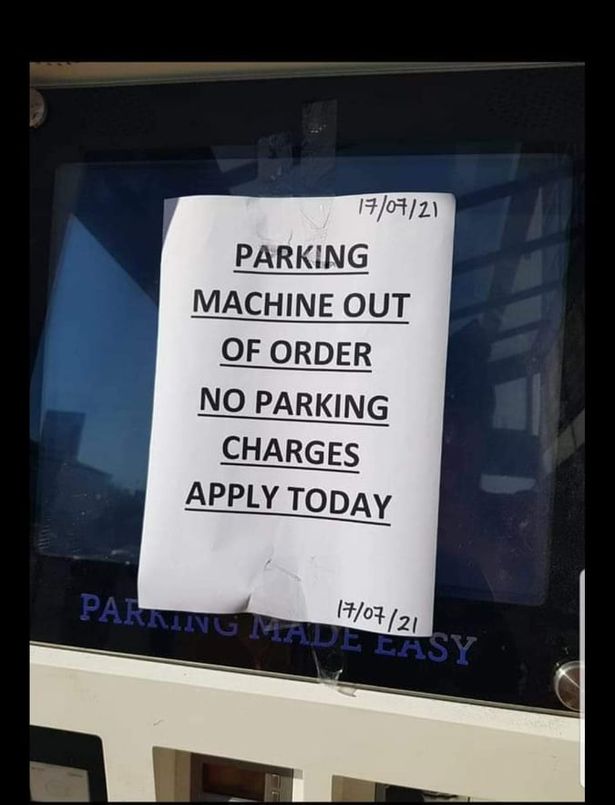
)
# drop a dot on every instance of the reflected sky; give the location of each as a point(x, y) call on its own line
point(99, 358)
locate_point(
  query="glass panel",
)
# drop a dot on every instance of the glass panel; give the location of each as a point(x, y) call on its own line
point(92, 385)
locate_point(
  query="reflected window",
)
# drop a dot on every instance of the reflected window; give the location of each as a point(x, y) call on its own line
point(92, 386)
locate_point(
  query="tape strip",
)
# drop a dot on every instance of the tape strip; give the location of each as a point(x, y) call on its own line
point(317, 166)
point(274, 163)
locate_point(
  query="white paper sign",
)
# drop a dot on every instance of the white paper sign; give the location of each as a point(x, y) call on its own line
point(295, 450)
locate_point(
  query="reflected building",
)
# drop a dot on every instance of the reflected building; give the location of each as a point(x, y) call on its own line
point(80, 511)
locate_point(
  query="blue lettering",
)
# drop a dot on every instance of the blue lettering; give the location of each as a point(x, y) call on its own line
point(347, 645)
point(110, 610)
point(442, 650)
point(380, 648)
point(230, 631)
point(318, 641)
point(264, 626)
point(323, 635)
point(202, 620)
point(463, 649)
point(297, 631)
point(132, 613)
point(89, 603)
point(154, 616)
point(411, 645)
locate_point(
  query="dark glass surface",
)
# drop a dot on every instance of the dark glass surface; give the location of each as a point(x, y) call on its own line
point(511, 513)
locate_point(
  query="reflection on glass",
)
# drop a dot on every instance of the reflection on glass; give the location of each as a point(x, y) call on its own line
point(92, 386)
point(95, 403)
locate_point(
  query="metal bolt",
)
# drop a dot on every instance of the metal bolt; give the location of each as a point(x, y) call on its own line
point(567, 684)
point(38, 109)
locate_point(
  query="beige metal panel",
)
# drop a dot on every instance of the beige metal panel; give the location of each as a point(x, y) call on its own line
point(165, 772)
point(346, 789)
point(92, 73)
point(468, 749)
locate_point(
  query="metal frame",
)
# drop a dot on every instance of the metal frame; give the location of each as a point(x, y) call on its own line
point(318, 730)
point(75, 74)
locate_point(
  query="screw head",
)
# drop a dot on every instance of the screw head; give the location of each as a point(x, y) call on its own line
point(38, 108)
point(567, 684)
